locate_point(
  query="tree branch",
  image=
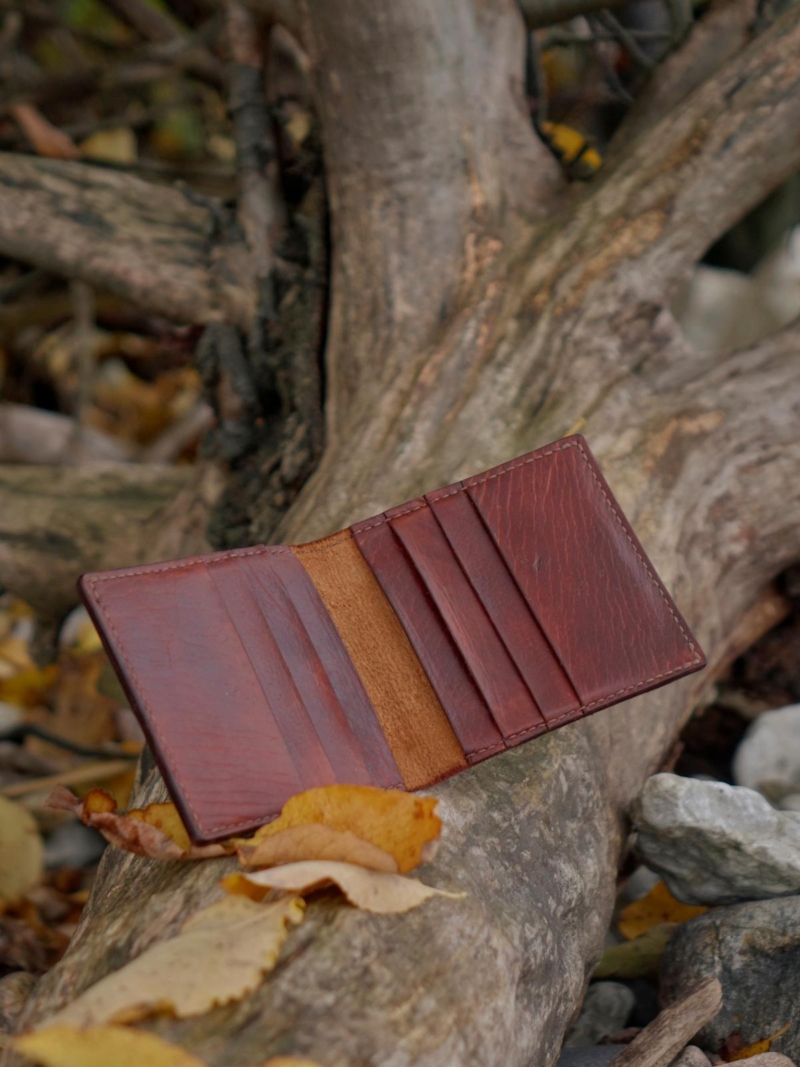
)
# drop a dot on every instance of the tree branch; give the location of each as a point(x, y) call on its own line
point(718, 36)
point(587, 291)
point(430, 161)
point(163, 248)
point(58, 522)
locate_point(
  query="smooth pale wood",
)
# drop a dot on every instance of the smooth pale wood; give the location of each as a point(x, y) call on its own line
point(662, 1039)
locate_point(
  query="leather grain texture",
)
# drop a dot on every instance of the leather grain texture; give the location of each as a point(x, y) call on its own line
point(397, 652)
point(413, 721)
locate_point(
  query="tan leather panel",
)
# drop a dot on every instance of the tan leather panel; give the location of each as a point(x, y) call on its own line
point(415, 724)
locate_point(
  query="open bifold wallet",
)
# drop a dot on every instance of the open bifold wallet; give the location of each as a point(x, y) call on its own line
point(397, 652)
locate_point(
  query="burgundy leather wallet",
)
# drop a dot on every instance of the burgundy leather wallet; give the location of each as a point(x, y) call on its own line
point(396, 652)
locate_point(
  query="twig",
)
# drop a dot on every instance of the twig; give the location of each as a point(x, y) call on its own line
point(87, 772)
point(29, 729)
point(616, 86)
point(540, 13)
point(146, 19)
point(83, 315)
point(189, 428)
point(661, 1041)
point(169, 38)
point(625, 38)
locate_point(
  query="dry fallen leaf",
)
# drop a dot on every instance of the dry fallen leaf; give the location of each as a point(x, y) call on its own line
point(99, 1046)
point(403, 825)
point(156, 831)
point(638, 958)
point(77, 712)
point(760, 1046)
point(46, 139)
point(220, 955)
point(375, 891)
point(315, 842)
point(117, 145)
point(659, 906)
point(288, 1061)
point(21, 852)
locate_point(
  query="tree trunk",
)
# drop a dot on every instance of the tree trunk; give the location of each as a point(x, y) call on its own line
point(480, 309)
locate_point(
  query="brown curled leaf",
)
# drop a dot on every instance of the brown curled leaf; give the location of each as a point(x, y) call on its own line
point(156, 831)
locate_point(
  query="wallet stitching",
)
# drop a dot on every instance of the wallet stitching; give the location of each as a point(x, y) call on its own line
point(160, 568)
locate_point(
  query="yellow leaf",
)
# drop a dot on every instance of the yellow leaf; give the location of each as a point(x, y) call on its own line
point(78, 712)
point(21, 852)
point(220, 955)
point(15, 655)
point(375, 891)
point(638, 958)
point(401, 824)
point(659, 906)
point(759, 1046)
point(117, 145)
point(572, 149)
point(28, 688)
point(101, 1046)
point(156, 831)
point(288, 1061)
point(315, 842)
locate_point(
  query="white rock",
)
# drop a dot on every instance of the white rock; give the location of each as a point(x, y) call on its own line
point(605, 1011)
point(714, 843)
point(768, 758)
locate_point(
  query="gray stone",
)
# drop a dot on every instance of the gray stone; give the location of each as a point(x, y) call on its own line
point(768, 757)
point(754, 951)
point(605, 1011)
point(768, 1059)
point(692, 1056)
point(714, 843)
point(599, 1056)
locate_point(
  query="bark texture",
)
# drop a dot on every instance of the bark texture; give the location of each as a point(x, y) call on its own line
point(465, 328)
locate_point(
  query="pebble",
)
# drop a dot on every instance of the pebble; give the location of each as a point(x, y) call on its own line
point(72, 845)
point(605, 1011)
point(692, 1056)
point(768, 757)
point(714, 843)
point(754, 951)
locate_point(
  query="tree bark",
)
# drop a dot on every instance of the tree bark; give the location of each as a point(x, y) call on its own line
point(469, 323)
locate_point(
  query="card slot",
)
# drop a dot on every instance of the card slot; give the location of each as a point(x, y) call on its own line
point(582, 572)
point(214, 736)
point(510, 702)
point(411, 717)
point(455, 687)
point(267, 630)
point(514, 620)
point(330, 687)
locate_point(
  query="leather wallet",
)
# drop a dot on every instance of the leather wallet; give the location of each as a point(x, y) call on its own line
point(396, 652)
